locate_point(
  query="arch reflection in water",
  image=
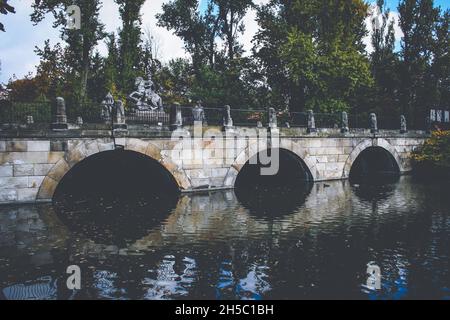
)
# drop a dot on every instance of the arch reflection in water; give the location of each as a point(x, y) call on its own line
point(116, 197)
point(274, 195)
point(375, 165)
point(374, 174)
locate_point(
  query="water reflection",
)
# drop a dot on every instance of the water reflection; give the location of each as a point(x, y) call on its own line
point(214, 246)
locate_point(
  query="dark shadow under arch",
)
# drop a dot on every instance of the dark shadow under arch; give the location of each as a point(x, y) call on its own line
point(274, 195)
point(375, 165)
point(115, 197)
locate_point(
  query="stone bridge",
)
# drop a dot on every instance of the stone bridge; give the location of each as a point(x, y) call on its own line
point(33, 163)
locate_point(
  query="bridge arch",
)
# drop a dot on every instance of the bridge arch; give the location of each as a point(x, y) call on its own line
point(370, 143)
point(83, 149)
point(252, 150)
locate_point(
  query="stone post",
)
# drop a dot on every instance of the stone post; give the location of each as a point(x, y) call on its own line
point(344, 122)
point(198, 114)
point(176, 117)
point(273, 122)
point(403, 128)
point(60, 122)
point(227, 120)
point(311, 122)
point(120, 122)
point(373, 123)
point(79, 121)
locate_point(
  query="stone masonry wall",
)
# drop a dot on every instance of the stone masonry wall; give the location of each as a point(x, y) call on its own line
point(30, 169)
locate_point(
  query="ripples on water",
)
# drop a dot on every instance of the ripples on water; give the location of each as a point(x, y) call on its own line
point(310, 243)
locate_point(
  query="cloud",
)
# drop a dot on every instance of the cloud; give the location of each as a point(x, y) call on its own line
point(251, 27)
point(393, 16)
point(17, 44)
point(171, 46)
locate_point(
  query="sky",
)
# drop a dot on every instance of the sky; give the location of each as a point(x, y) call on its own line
point(17, 44)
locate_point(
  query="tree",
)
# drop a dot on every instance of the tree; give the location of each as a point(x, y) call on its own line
point(230, 15)
point(384, 63)
point(130, 42)
point(52, 70)
point(5, 8)
point(80, 43)
point(440, 67)
point(197, 31)
point(311, 53)
point(418, 20)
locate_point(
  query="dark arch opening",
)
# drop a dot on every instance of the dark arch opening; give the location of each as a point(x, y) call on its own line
point(115, 197)
point(278, 194)
point(374, 164)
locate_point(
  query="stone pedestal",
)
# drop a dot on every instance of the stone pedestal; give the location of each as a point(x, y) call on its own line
point(344, 122)
point(403, 127)
point(373, 123)
point(176, 117)
point(60, 118)
point(311, 122)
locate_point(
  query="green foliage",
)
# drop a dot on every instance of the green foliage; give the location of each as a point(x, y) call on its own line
point(435, 151)
point(310, 52)
point(307, 54)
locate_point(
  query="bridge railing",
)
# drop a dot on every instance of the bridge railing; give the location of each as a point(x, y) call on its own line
point(23, 112)
point(43, 112)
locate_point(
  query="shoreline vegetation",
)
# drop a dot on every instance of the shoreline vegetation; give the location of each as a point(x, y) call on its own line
point(432, 160)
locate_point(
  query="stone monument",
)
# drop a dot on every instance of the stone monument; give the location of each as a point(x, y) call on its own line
point(145, 98)
point(176, 117)
point(403, 128)
point(311, 122)
point(227, 120)
point(373, 123)
point(273, 122)
point(60, 122)
point(344, 122)
point(198, 113)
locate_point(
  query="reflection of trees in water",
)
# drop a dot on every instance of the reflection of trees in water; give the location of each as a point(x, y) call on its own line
point(274, 202)
point(214, 240)
point(165, 283)
point(252, 286)
point(115, 221)
point(41, 289)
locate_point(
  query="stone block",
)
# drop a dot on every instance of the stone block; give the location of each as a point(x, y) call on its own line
point(35, 181)
point(60, 146)
point(217, 182)
point(27, 194)
point(13, 182)
point(16, 146)
point(136, 145)
point(54, 157)
point(42, 169)
point(47, 189)
point(219, 172)
point(200, 183)
point(153, 152)
point(6, 171)
point(8, 195)
point(23, 157)
point(22, 170)
point(105, 146)
point(199, 173)
point(36, 145)
point(59, 170)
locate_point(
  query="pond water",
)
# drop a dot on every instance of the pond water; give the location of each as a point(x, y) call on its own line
point(313, 242)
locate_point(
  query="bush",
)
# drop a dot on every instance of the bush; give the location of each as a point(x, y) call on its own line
point(434, 155)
